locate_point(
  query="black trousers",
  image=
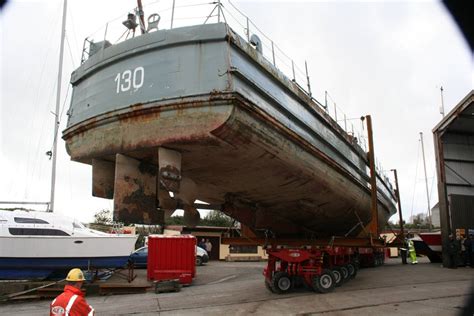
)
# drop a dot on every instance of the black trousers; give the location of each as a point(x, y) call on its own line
point(453, 261)
point(403, 254)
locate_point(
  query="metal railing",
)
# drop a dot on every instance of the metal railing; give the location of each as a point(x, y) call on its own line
point(179, 13)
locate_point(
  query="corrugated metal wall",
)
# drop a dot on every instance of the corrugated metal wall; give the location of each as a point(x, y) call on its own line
point(462, 211)
point(459, 163)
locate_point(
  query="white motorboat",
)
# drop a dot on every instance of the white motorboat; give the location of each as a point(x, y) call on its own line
point(36, 245)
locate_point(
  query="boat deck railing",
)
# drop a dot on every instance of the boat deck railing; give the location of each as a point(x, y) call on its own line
point(171, 14)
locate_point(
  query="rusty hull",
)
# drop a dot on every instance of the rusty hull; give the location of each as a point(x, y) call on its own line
point(267, 178)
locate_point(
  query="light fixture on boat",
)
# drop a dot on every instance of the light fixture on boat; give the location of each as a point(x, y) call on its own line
point(131, 22)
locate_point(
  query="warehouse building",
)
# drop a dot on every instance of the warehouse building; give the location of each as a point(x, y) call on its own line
point(221, 251)
point(454, 148)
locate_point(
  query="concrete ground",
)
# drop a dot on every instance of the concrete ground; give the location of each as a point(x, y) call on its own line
point(237, 288)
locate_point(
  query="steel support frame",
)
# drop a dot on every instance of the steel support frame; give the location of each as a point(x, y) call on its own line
point(373, 226)
point(444, 213)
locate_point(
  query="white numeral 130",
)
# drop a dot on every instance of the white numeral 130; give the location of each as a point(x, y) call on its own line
point(127, 79)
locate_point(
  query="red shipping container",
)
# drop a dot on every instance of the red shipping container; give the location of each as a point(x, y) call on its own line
point(171, 257)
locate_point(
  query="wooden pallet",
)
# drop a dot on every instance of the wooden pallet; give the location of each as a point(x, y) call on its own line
point(167, 286)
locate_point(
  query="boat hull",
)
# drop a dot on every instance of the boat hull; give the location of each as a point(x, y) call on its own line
point(65, 247)
point(43, 268)
point(433, 240)
point(41, 257)
point(429, 244)
point(38, 245)
point(251, 140)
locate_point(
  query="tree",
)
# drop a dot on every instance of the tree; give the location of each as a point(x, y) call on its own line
point(213, 218)
point(217, 218)
point(103, 217)
point(175, 220)
point(392, 225)
point(418, 221)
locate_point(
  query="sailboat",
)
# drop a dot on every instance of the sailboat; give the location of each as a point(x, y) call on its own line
point(38, 245)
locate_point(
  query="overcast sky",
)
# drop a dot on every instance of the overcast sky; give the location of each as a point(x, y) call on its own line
point(384, 58)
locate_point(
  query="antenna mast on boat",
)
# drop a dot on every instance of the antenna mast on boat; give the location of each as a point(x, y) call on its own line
point(56, 113)
point(141, 15)
point(441, 109)
point(426, 181)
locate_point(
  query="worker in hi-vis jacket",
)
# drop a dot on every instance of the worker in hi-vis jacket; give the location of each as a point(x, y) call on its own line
point(72, 302)
point(411, 250)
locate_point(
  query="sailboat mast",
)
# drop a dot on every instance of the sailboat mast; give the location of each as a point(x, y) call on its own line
point(441, 110)
point(426, 181)
point(57, 117)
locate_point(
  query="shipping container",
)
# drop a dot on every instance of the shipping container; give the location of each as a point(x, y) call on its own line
point(171, 257)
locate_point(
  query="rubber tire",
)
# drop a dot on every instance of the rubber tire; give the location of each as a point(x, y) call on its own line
point(281, 283)
point(352, 270)
point(268, 286)
point(345, 273)
point(338, 278)
point(325, 282)
point(198, 261)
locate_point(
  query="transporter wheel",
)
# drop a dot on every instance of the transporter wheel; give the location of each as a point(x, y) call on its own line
point(325, 282)
point(352, 270)
point(281, 283)
point(345, 273)
point(268, 285)
point(338, 278)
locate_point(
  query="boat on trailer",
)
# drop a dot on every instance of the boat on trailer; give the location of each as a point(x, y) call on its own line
point(197, 112)
point(429, 244)
point(39, 245)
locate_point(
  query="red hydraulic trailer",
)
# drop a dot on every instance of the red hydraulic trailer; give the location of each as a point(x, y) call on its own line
point(319, 268)
point(321, 264)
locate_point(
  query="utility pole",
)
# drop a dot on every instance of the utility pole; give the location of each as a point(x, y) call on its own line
point(56, 113)
point(426, 181)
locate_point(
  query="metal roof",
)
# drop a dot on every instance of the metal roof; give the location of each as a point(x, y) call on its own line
point(460, 119)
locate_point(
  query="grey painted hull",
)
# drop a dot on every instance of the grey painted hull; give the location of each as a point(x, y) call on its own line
point(251, 139)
